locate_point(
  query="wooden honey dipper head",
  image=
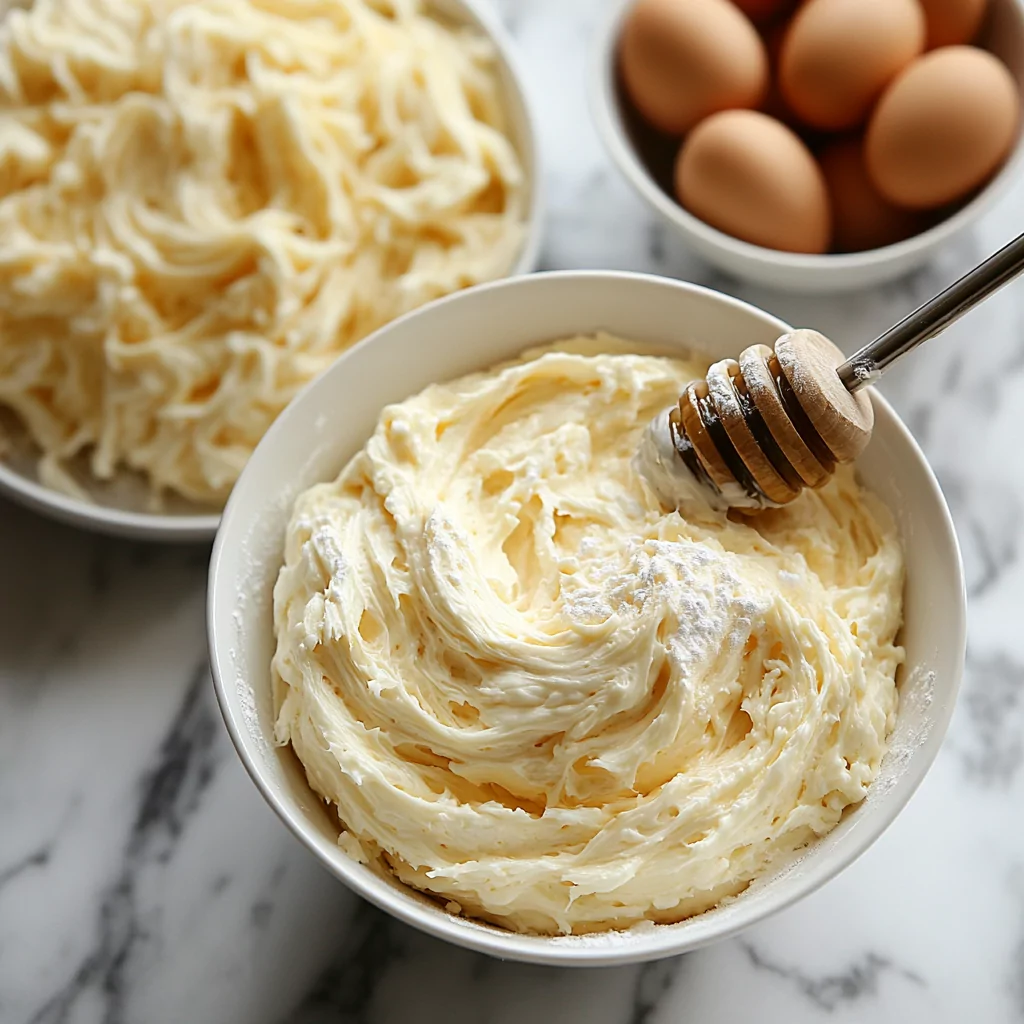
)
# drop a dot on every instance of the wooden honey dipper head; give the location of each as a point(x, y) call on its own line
point(757, 431)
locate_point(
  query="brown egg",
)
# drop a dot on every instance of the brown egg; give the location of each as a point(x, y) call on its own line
point(748, 175)
point(942, 128)
point(950, 22)
point(839, 55)
point(684, 59)
point(861, 217)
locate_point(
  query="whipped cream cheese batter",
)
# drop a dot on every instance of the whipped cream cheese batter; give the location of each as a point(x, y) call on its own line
point(529, 690)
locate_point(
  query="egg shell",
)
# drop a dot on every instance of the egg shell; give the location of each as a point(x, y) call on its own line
point(862, 218)
point(942, 128)
point(750, 176)
point(952, 22)
point(682, 60)
point(839, 55)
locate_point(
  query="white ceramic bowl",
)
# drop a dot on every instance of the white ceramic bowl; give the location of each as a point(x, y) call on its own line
point(1003, 34)
point(332, 418)
point(122, 506)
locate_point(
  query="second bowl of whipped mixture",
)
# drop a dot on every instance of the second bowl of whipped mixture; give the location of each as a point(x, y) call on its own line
point(204, 202)
point(530, 692)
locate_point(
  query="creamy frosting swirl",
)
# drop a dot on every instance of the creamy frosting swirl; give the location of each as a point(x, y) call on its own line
point(530, 691)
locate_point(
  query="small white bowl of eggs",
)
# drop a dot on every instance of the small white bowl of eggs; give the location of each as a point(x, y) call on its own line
point(815, 146)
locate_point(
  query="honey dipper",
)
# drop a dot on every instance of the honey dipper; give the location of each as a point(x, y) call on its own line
point(756, 431)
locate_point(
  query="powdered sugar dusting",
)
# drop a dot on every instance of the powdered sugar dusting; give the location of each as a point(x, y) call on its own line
point(260, 558)
point(323, 545)
point(913, 727)
point(446, 548)
point(682, 581)
point(251, 717)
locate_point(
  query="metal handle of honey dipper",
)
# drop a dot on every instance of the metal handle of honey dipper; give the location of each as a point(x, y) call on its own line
point(867, 365)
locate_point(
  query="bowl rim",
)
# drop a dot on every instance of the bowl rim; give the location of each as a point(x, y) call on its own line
point(601, 77)
point(185, 528)
point(614, 948)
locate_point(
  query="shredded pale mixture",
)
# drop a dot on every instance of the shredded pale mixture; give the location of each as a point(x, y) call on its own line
point(202, 202)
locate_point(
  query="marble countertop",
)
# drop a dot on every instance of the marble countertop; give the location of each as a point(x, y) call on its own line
point(142, 879)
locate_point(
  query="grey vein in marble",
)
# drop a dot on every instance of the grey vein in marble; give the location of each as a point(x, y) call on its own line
point(651, 986)
point(994, 705)
point(859, 982)
point(345, 991)
point(987, 519)
point(36, 859)
point(169, 792)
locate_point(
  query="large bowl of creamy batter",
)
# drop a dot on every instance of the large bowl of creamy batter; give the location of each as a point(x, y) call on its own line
point(473, 666)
